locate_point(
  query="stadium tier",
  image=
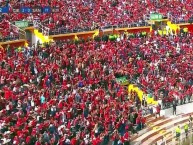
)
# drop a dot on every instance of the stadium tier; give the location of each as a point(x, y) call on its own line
point(75, 16)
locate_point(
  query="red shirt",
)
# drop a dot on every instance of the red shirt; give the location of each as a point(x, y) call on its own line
point(138, 120)
point(158, 109)
point(28, 140)
point(73, 141)
point(7, 94)
point(38, 143)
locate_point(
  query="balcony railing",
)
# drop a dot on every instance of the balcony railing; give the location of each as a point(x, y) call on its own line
point(63, 30)
point(16, 35)
point(41, 28)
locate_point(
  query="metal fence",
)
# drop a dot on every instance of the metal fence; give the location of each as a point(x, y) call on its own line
point(177, 20)
point(16, 35)
point(21, 32)
point(41, 28)
point(9, 38)
point(63, 30)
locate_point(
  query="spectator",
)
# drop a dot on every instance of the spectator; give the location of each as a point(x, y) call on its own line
point(88, 15)
point(158, 109)
point(174, 108)
point(82, 97)
point(186, 129)
point(178, 132)
point(138, 122)
point(190, 118)
point(162, 142)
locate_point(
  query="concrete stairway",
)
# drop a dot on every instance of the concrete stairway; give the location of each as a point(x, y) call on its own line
point(157, 128)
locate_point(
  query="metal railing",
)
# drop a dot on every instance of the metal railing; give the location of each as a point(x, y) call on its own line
point(21, 32)
point(41, 28)
point(63, 30)
point(15, 33)
point(177, 20)
point(9, 38)
point(30, 23)
point(149, 91)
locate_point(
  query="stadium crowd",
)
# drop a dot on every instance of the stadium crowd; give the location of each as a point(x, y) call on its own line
point(163, 64)
point(87, 15)
point(8, 31)
point(66, 93)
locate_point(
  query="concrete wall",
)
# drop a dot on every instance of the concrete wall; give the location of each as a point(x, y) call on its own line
point(182, 109)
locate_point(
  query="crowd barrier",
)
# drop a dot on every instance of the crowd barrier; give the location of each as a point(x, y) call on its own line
point(91, 34)
point(13, 44)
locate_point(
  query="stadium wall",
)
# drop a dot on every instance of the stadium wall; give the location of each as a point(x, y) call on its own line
point(187, 25)
point(181, 109)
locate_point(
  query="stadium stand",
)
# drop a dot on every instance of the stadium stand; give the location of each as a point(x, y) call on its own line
point(88, 15)
point(57, 88)
point(40, 97)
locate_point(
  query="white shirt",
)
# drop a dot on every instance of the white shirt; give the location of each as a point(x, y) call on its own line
point(7, 107)
point(32, 103)
point(162, 142)
point(74, 92)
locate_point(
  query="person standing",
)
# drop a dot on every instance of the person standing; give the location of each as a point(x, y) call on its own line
point(126, 138)
point(158, 108)
point(178, 132)
point(190, 123)
point(162, 142)
point(174, 108)
point(190, 118)
point(186, 129)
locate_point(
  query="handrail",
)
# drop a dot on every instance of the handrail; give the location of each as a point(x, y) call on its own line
point(43, 29)
point(22, 33)
point(169, 128)
point(149, 91)
point(62, 30)
point(177, 20)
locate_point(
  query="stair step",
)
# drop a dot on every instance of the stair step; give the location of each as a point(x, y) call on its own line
point(156, 130)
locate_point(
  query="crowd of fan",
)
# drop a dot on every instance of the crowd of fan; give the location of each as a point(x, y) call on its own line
point(87, 15)
point(164, 65)
point(66, 93)
point(8, 31)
